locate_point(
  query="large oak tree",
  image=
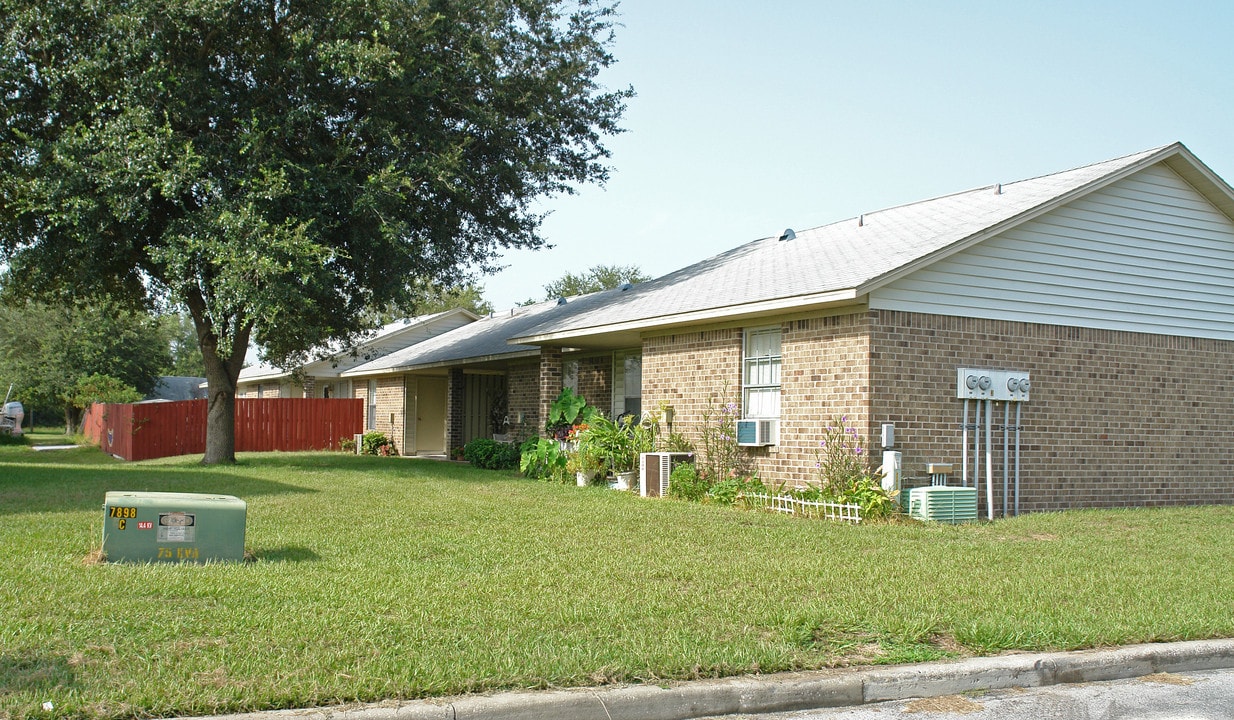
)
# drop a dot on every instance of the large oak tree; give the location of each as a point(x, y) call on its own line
point(283, 167)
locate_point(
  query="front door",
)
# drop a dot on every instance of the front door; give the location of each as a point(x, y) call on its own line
point(430, 409)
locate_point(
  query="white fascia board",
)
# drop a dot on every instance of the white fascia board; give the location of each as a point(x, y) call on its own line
point(1204, 180)
point(272, 374)
point(794, 303)
point(1048, 206)
point(442, 364)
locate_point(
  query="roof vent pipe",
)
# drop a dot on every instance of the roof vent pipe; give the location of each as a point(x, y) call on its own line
point(561, 301)
point(998, 189)
point(788, 235)
point(861, 220)
point(624, 286)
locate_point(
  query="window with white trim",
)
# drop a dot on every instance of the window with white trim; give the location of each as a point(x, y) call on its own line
point(628, 383)
point(760, 373)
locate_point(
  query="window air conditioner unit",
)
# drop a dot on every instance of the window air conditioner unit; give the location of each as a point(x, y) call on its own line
point(756, 433)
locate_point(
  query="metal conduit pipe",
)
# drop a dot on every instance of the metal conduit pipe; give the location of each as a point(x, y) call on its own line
point(1017, 458)
point(977, 445)
point(964, 451)
point(1006, 452)
point(989, 462)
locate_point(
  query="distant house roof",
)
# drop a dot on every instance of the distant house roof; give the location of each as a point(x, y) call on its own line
point(387, 339)
point(838, 263)
point(178, 387)
point(485, 340)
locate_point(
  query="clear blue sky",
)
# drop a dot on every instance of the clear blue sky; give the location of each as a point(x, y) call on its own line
point(755, 117)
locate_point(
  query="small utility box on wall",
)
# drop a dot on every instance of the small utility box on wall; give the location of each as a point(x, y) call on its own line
point(173, 527)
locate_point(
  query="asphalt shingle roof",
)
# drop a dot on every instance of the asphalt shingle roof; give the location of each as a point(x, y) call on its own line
point(844, 255)
point(484, 338)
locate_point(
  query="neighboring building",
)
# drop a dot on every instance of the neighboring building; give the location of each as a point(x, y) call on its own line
point(320, 378)
point(441, 393)
point(178, 387)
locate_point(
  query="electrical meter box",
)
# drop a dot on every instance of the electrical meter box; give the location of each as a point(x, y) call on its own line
point(173, 527)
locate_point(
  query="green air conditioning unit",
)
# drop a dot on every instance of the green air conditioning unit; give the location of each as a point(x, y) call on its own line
point(173, 527)
point(943, 503)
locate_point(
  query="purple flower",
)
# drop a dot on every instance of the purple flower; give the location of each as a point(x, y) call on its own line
point(822, 443)
point(843, 419)
point(858, 451)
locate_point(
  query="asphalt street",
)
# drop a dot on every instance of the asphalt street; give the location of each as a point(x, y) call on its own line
point(1204, 695)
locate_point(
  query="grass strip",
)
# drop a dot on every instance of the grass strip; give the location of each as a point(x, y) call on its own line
point(380, 578)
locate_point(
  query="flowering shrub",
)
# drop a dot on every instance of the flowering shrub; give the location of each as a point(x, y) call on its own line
point(844, 475)
point(720, 456)
point(376, 443)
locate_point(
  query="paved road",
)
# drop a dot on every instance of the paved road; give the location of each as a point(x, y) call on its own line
point(1207, 695)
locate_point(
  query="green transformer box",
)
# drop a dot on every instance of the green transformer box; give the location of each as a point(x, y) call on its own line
point(173, 527)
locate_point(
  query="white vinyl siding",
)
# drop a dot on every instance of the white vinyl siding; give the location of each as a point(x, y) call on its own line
point(1146, 254)
point(760, 374)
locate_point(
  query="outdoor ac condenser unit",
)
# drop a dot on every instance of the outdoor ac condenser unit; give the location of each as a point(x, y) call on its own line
point(655, 469)
point(756, 433)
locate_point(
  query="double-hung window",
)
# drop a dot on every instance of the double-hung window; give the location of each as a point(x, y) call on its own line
point(628, 383)
point(760, 377)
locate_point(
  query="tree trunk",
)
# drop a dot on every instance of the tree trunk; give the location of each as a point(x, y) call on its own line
point(222, 372)
point(220, 413)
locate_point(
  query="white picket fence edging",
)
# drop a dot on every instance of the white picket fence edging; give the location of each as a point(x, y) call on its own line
point(790, 505)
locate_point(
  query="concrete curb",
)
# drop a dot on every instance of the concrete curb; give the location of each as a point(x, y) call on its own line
point(796, 691)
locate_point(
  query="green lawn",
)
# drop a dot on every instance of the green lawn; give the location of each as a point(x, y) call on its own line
point(391, 578)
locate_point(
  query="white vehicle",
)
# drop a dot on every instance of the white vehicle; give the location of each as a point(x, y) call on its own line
point(11, 416)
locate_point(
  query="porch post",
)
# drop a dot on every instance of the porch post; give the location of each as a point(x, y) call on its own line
point(455, 386)
point(550, 379)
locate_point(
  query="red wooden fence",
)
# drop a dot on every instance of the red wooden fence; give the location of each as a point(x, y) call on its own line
point(153, 430)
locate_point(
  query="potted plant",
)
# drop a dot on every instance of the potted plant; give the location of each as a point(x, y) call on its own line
point(584, 462)
point(618, 444)
point(605, 441)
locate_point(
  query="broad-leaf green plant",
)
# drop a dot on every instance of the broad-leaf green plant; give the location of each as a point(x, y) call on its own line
point(568, 410)
point(543, 460)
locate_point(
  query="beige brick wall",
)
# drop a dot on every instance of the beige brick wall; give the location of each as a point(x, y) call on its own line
point(391, 398)
point(595, 381)
point(1115, 418)
point(523, 386)
point(824, 374)
point(686, 369)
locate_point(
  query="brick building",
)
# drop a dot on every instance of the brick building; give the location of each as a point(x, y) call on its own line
point(1111, 286)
